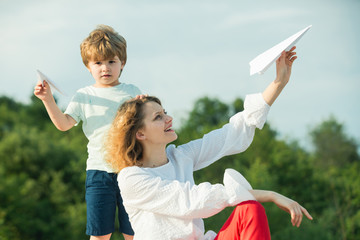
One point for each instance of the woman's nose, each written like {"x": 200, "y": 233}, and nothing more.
{"x": 168, "y": 118}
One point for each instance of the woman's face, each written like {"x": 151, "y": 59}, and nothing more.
{"x": 157, "y": 125}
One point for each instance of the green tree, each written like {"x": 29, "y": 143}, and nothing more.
{"x": 41, "y": 176}
{"x": 333, "y": 148}
{"x": 337, "y": 161}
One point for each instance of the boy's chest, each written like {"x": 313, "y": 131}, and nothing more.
{"x": 106, "y": 106}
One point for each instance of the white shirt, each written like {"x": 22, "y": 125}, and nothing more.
{"x": 164, "y": 202}
{"x": 97, "y": 108}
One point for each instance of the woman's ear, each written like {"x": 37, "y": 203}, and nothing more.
{"x": 140, "y": 135}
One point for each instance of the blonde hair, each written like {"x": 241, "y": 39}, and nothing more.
{"x": 121, "y": 146}
{"x": 103, "y": 43}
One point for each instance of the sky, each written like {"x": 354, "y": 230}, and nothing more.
{"x": 183, "y": 50}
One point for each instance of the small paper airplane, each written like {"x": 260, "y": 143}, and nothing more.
{"x": 262, "y": 62}
{"x": 42, "y": 77}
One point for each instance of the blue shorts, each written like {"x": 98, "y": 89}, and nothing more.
{"x": 102, "y": 196}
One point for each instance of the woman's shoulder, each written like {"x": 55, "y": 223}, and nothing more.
{"x": 131, "y": 176}
{"x": 134, "y": 174}
{"x": 183, "y": 149}
{"x": 128, "y": 171}
{"x": 173, "y": 151}
{"x": 181, "y": 155}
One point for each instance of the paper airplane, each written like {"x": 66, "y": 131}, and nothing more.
{"x": 42, "y": 77}
{"x": 262, "y": 62}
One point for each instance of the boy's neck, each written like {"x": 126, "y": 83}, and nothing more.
{"x": 96, "y": 85}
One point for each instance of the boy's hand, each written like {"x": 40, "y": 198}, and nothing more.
{"x": 284, "y": 65}
{"x": 43, "y": 92}
{"x": 141, "y": 96}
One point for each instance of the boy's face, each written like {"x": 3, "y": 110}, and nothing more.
{"x": 106, "y": 72}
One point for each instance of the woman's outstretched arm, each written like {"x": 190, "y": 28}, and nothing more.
{"x": 288, "y": 205}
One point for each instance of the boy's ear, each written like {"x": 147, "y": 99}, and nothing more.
{"x": 140, "y": 135}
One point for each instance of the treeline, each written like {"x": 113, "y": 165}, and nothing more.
{"x": 42, "y": 174}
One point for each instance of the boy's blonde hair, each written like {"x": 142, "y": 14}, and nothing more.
{"x": 103, "y": 43}
{"x": 121, "y": 146}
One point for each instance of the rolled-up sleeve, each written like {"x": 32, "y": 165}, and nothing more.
{"x": 255, "y": 111}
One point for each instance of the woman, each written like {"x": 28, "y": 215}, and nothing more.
{"x": 157, "y": 182}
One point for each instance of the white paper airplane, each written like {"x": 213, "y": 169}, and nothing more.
{"x": 262, "y": 62}
{"x": 42, "y": 77}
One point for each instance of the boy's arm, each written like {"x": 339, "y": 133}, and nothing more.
{"x": 283, "y": 72}
{"x": 62, "y": 121}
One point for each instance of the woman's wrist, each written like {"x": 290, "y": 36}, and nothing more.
{"x": 281, "y": 82}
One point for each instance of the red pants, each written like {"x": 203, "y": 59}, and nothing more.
{"x": 248, "y": 221}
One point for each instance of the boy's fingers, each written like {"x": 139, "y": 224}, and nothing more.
{"x": 141, "y": 96}
{"x": 39, "y": 84}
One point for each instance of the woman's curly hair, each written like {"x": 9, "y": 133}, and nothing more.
{"x": 122, "y": 149}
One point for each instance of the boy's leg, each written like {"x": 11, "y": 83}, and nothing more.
{"x": 101, "y": 204}
{"x": 128, "y": 237}
{"x": 105, "y": 237}
{"x": 248, "y": 221}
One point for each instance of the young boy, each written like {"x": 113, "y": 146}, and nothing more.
{"x": 104, "y": 55}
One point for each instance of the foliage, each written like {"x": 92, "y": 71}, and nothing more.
{"x": 42, "y": 174}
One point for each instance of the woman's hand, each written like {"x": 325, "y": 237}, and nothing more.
{"x": 284, "y": 65}
{"x": 283, "y": 72}
{"x": 295, "y": 210}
